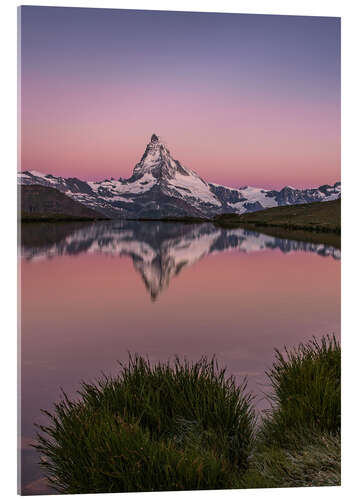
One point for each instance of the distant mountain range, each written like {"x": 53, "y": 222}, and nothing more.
{"x": 161, "y": 187}
{"x": 159, "y": 251}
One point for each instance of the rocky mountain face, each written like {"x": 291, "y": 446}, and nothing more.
{"x": 42, "y": 202}
{"x": 159, "y": 250}
{"x": 161, "y": 187}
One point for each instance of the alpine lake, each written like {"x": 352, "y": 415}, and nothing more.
{"x": 91, "y": 293}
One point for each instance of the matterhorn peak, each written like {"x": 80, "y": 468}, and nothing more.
{"x": 154, "y": 138}
{"x": 157, "y": 162}
{"x": 161, "y": 187}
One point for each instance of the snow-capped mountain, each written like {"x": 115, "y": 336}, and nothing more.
{"x": 159, "y": 251}
{"x": 161, "y": 187}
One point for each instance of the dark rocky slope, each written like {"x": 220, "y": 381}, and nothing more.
{"x": 46, "y": 203}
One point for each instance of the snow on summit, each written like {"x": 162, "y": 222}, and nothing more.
{"x": 161, "y": 187}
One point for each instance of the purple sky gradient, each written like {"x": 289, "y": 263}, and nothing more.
{"x": 241, "y": 99}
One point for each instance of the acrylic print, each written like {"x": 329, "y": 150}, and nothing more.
{"x": 179, "y": 250}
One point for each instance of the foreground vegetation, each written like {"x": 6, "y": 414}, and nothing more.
{"x": 154, "y": 427}
{"x": 181, "y": 425}
{"x": 298, "y": 440}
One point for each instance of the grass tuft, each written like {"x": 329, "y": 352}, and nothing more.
{"x": 188, "y": 426}
{"x": 306, "y": 384}
{"x": 168, "y": 426}
{"x": 298, "y": 442}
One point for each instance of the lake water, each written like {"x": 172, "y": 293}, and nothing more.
{"x": 92, "y": 292}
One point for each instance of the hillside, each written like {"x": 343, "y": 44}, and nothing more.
{"x": 48, "y": 204}
{"x": 315, "y": 222}
{"x": 308, "y": 217}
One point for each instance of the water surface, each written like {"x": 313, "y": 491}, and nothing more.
{"x": 92, "y": 292}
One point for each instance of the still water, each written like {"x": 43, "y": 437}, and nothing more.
{"x": 92, "y": 292}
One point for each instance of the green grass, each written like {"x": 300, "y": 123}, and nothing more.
{"x": 306, "y": 391}
{"x": 318, "y": 222}
{"x": 100, "y": 453}
{"x": 153, "y": 427}
{"x": 319, "y": 219}
{"x": 298, "y": 440}
{"x": 312, "y": 459}
{"x": 187, "y": 426}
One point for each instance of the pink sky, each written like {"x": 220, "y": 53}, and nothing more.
{"x": 239, "y": 99}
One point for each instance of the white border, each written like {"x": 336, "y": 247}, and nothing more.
{"x": 8, "y": 81}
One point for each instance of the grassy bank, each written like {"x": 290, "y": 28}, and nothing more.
{"x": 318, "y": 222}
{"x": 317, "y": 237}
{"x": 181, "y": 425}
{"x": 322, "y": 217}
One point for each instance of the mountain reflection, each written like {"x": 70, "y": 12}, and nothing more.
{"x": 159, "y": 250}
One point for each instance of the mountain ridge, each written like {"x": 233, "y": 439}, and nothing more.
{"x": 161, "y": 187}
